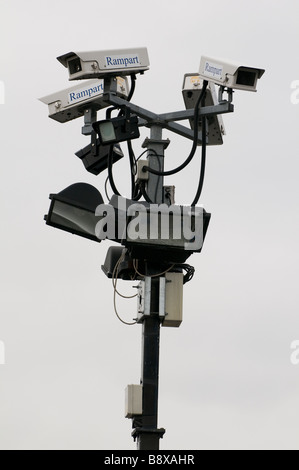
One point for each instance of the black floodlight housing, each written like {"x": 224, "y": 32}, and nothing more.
{"x": 73, "y": 210}
{"x": 119, "y": 129}
{"x": 161, "y": 233}
{"x": 95, "y": 156}
{"x": 167, "y": 250}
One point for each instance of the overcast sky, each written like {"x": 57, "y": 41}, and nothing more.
{"x": 226, "y": 378}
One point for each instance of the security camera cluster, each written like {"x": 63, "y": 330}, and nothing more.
{"x": 156, "y": 235}
{"x": 99, "y": 66}
{"x": 100, "y": 72}
{"x": 102, "y": 82}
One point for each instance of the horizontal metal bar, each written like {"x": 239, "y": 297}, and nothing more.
{"x": 119, "y": 102}
{"x": 222, "y": 108}
{"x": 166, "y": 120}
{"x": 182, "y": 131}
{"x": 173, "y": 127}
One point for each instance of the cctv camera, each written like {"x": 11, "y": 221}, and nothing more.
{"x": 230, "y": 75}
{"x": 192, "y": 87}
{"x": 99, "y": 64}
{"x": 71, "y": 103}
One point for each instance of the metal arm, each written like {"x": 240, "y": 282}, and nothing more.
{"x": 166, "y": 121}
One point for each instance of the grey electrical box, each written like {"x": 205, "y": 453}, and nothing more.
{"x": 141, "y": 175}
{"x": 144, "y": 299}
{"x": 133, "y": 405}
{"x": 173, "y": 299}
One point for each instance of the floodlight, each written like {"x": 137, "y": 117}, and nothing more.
{"x": 117, "y": 129}
{"x": 169, "y": 233}
{"x": 73, "y": 210}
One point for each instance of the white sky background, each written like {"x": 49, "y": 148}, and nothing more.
{"x": 226, "y": 380}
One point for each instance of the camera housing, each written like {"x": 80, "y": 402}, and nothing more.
{"x": 100, "y": 64}
{"x": 192, "y": 87}
{"x": 69, "y": 104}
{"x": 95, "y": 158}
{"x": 230, "y": 75}
{"x": 116, "y": 130}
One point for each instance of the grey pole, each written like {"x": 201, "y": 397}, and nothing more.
{"x": 156, "y": 147}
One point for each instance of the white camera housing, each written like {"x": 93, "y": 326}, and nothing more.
{"x": 71, "y": 103}
{"x": 100, "y": 64}
{"x": 235, "y": 76}
{"x": 192, "y": 87}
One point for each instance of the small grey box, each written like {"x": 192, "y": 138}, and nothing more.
{"x": 133, "y": 405}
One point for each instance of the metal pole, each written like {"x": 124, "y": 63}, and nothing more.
{"x": 156, "y": 161}
{"x": 147, "y": 434}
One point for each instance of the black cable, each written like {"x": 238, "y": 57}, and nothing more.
{"x": 130, "y": 149}
{"x": 110, "y": 175}
{"x": 144, "y": 193}
{"x": 137, "y": 194}
{"x": 190, "y": 270}
{"x": 133, "y": 85}
{"x": 109, "y": 112}
{"x": 132, "y": 160}
{"x": 106, "y": 190}
{"x": 203, "y": 162}
{"x": 149, "y": 150}
{"x": 145, "y": 151}
{"x": 194, "y": 147}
